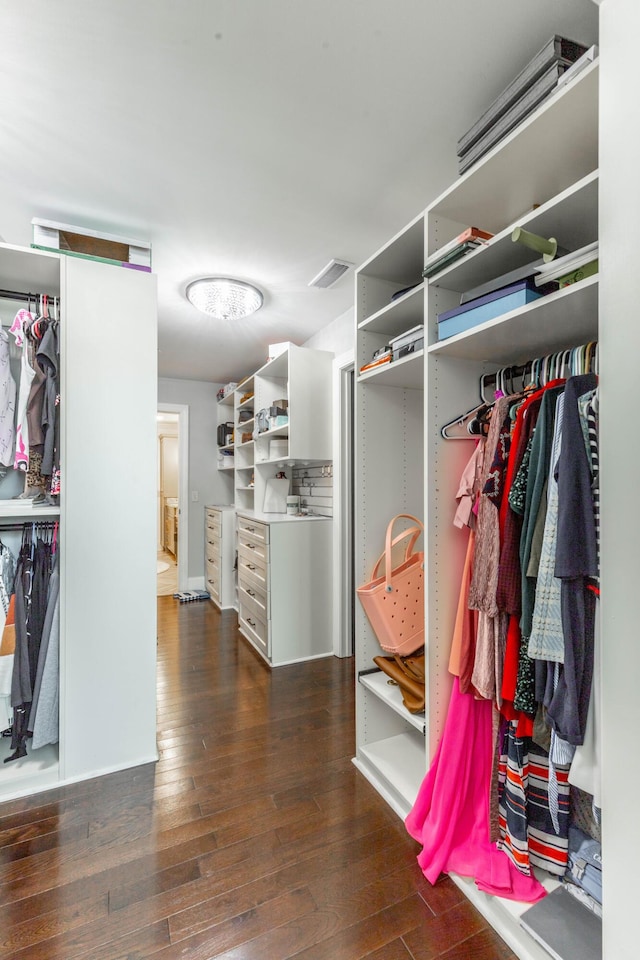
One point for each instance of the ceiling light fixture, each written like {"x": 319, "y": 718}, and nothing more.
{"x": 224, "y": 298}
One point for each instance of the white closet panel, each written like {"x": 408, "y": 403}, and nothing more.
{"x": 108, "y": 553}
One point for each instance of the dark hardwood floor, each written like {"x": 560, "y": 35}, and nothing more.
{"x": 253, "y": 838}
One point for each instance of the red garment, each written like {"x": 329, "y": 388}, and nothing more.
{"x": 508, "y": 529}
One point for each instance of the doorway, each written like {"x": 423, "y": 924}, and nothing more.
{"x": 171, "y": 506}
{"x": 344, "y": 499}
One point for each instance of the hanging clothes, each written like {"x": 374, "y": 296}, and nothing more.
{"x": 31, "y": 592}
{"x": 27, "y": 373}
{"x": 7, "y": 406}
{"x": 49, "y": 359}
{"x": 44, "y": 714}
{"x": 537, "y": 497}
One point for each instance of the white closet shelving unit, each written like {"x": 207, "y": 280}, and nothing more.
{"x": 244, "y": 450}
{"x": 389, "y": 404}
{"x": 226, "y": 458}
{"x": 282, "y": 618}
{"x": 302, "y": 377}
{"x": 543, "y": 176}
{"x": 108, "y": 389}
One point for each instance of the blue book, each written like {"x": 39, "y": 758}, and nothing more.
{"x": 488, "y": 307}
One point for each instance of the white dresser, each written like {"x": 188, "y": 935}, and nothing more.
{"x": 219, "y": 555}
{"x": 284, "y": 585}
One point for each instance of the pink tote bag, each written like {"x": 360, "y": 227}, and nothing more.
{"x": 394, "y": 603}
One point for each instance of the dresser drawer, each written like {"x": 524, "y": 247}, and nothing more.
{"x": 255, "y": 629}
{"x": 256, "y": 548}
{"x": 256, "y": 531}
{"x": 254, "y": 600}
{"x": 212, "y": 537}
{"x": 212, "y": 552}
{"x": 213, "y": 588}
{"x": 252, "y": 572}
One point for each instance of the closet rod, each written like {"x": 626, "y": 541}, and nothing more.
{"x": 21, "y": 526}
{"x": 25, "y": 297}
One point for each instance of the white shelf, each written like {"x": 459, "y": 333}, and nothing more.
{"x": 276, "y": 369}
{"x": 559, "y": 321}
{"x": 33, "y": 773}
{"x": 243, "y": 427}
{"x": 12, "y": 510}
{"x": 228, "y": 446}
{"x": 400, "y": 261}
{"x": 378, "y": 684}
{"x": 395, "y": 767}
{"x": 31, "y": 270}
{"x": 504, "y": 916}
{"x": 226, "y": 401}
{"x": 571, "y": 217}
{"x": 564, "y": 126}
{"x": 265, "y": 463}
{"x": 399, "y": 315}
{"x": 406, "y": 372}
{"x": 275, "y": 432}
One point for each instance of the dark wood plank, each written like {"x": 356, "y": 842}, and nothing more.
{"x": 253, "y": 836}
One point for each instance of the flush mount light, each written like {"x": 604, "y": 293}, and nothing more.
{"x": 224, "y": 298}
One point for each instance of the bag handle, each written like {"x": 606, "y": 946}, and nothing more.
{"x": 412, "y": 532}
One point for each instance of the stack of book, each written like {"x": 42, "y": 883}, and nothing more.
{"x": 447, "y": 254}
{"x": 380, "y": 357}
{"x": 409, "y": 342}
{"x": 534, "y": 83}
{"x": 571, "y": 268}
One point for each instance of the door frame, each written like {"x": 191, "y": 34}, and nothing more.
{"x": 182, "y": 410}
{"x": 343, "y": 513}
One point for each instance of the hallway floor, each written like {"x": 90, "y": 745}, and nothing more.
{"x": 167, "y": 578}
{"x": 253, "y": 837}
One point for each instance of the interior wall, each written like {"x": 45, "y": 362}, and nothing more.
{"x": 205, "y": 485}
{"x": 337, "y": 336}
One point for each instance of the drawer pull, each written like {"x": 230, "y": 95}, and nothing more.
{"x": 251, "y": 529}
{"x": 251, "y": 593}
{"x": 250, "y": 566}
{"x": 251, "y": 546}
{"x": 251, "y": 622}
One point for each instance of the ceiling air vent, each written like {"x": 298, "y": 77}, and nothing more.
{"x": 330, "y": 274}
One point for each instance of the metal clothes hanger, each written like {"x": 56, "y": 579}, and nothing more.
{"x": 458, "y": 429}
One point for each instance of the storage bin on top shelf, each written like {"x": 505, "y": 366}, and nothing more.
{"x": 492, "y": 305}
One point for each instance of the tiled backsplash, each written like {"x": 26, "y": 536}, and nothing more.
{"x": 314, "y": 485}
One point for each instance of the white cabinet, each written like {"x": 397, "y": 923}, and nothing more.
{"x": 300, "y": 379}
{"x": 219, "y": 555}
{"x": 509, "y": 187}
{"x": 108, "y": 523}
{"x": 284, "y": 586}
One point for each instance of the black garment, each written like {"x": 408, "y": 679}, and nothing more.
{"x": 49, "y": 359}
{"x": 576, "y": 564}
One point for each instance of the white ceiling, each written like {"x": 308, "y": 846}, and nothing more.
{"x": 254, "y": 138}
